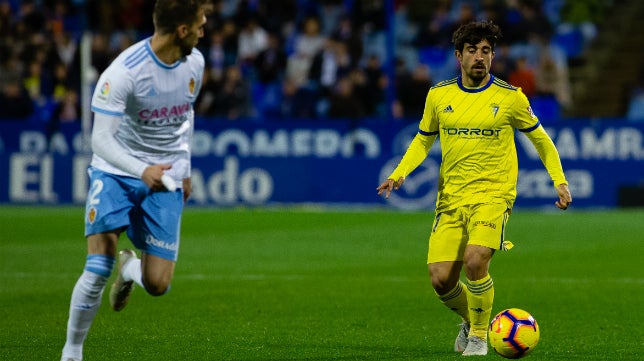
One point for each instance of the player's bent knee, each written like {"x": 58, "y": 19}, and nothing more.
{"x": 157, "y": 289}
{"x": 443, "y": 284}
{"x": 442, "y": 287}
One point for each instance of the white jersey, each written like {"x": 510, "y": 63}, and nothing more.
{"x": 155, "y": 102}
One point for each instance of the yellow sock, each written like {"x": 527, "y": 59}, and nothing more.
{"x": 456, "y": 300}
{"x": 480, "y": 296}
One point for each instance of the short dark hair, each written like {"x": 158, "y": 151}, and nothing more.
{"x": 169, "y": 14}
{"x": 474, "y": 32}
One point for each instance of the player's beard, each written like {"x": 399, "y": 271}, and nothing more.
{"x": 478, "y": 74}
{"x": 185, "y": 45}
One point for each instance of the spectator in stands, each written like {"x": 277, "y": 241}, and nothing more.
{"x": 311, "y": 40}
{"x": 35, "y": 83}
{"x": 297, "y": 102}
{"x": 66, "y": 48}
{"x": 376, "y": 84}
{"x": 437, "y": 31}
{"x": 298, "y": 95}
{"x": 206, "y": 103}
{"x": 297, "y": 69}
{"x": 531, "y": 22}
{"x": 412, "y": 90}
{"x": 522, "y": 76}
{"x": 43, "y": 32}
{"x": 216, "y": 55}
{"x": 551, "y": 80}
{"x": 31, "y": 16}
{"x": 635, "y": 106}
{"x": 67, "y": 110}
{"x": 346, "y": 33}
{"x": 15, "y": 103}
{"x": 271, "y": 62}
{"x": 583, "y": 15}
{"x": 466, "y": 13}
{"x": 277, "y": 18}
{"x": 343, "y": 102}
{"x": 253, "y": 39}
{"x": 502, "y": 65}
{"x": 234, "y": 96}
{"x": 495, "y": 11}
{"x": 101, "y": 56}
{"x": 5, "y": 17}
{"x": 328, "y": 65}
{"x": 635, "y": 110}
{"x": 60, "y": 83}
{"x": 229, "y": 31}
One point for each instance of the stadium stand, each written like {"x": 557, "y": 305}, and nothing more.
{"x": 287, "y": 70}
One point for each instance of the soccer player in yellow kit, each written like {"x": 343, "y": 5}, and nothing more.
{"x": 475, "y": 115}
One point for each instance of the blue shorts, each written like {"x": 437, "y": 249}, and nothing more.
{"x": 152, "y": 220}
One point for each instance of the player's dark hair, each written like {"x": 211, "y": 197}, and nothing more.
{"x": 474, "y": 32}
{"x": 170, "y": 14}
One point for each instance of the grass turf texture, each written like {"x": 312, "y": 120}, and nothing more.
{"x": 335, "y": 285}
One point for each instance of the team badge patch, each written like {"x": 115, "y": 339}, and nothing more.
{"x": 91, "y": 215}
{"x": 191, "y": 86}
{"x": 495, "y": 108}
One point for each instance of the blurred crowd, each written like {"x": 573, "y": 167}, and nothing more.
{"x": 296, "y": 59}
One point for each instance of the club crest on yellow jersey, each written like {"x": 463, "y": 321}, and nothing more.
{"x": 495, "y": 108}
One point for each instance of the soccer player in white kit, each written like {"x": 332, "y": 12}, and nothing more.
{"x": 140, "y": 169}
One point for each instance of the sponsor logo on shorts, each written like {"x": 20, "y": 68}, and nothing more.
{"x": 161, "y": 244}
{"x": 485, "y": 224}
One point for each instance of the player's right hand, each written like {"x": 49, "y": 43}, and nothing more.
{"x": 564, "y": 197}
{"x": 152, "y": 176}
{"x": 389, "y": 185}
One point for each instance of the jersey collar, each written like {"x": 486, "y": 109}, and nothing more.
{"x": 158, "y": 61}
{"x": 459, "y": 81}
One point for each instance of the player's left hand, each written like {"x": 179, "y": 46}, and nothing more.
{"x": 564, "y": 197}
{"x": 389, "y": 185}
{"x": 187, "y": 188}
{"x": 152, "y": 176}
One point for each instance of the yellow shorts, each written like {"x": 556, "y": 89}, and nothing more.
{"x": 479, "y": 224}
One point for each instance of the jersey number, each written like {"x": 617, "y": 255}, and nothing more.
{"x": 97, "y": 187}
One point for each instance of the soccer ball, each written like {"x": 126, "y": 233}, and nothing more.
{"x": 513, "y": 333}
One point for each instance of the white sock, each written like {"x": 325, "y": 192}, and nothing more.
{"x": 132, "y": 271}
{"x": 86, "y": 299}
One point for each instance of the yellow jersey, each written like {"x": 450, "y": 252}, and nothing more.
{"x": 476, "y": 130}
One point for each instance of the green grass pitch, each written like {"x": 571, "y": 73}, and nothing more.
{"x": 298, "y": 284}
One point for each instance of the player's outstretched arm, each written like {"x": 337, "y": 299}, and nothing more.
{"x": 564, "y": 197}
{"x": 389, "y": 185}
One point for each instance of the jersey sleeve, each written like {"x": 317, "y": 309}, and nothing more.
{"x": 527, "y": 123}
{"x": 548, "y": 154}
{"x": 429, "y": 122}
{"x": 522, "y": 115}
{"x": 112, "y": 89}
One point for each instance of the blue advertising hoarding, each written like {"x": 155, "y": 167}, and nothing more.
{"x": 342, "y": 163}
